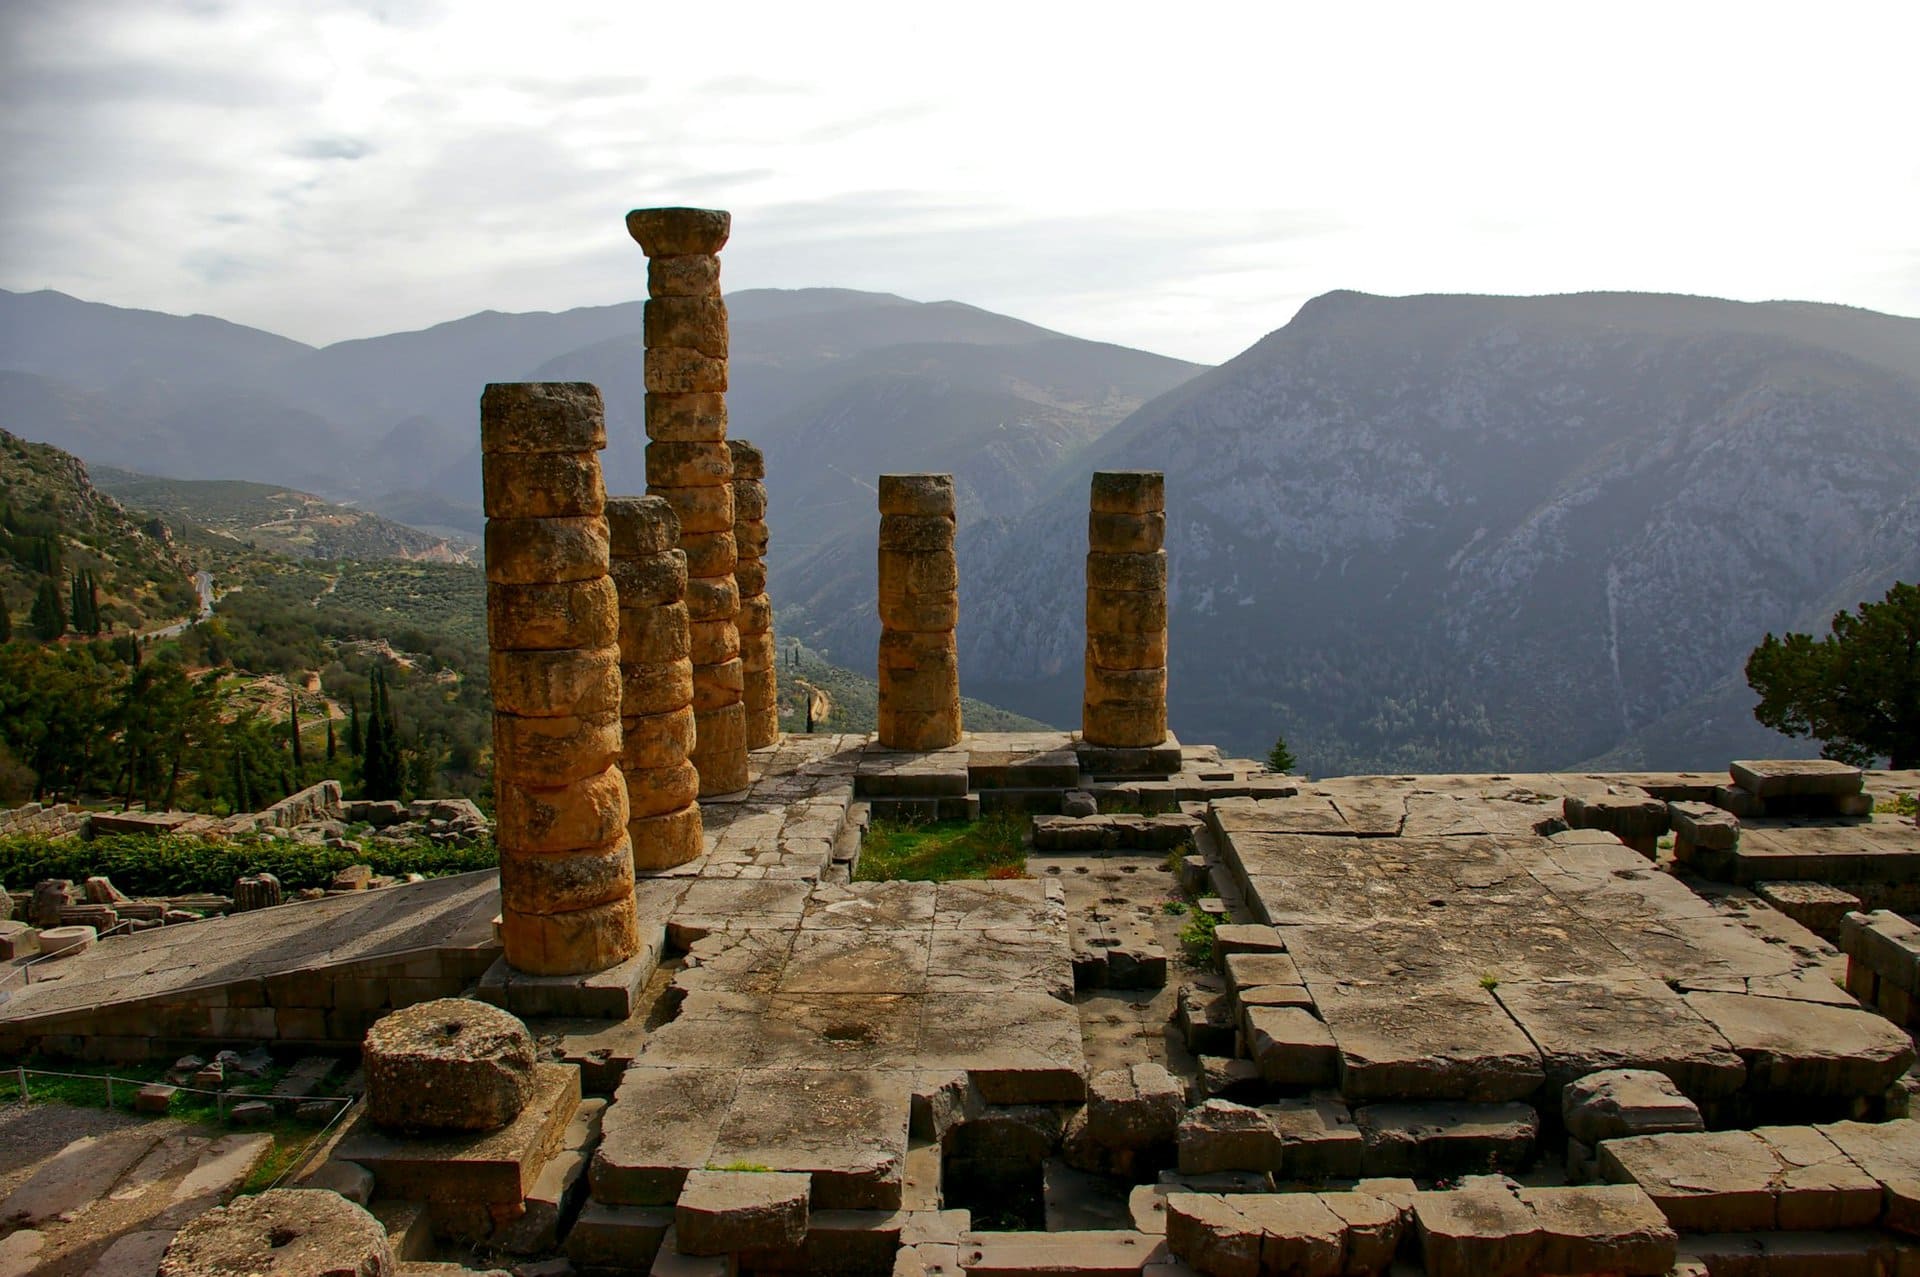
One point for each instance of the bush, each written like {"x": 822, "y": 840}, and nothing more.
{"x": 145, "y": 866}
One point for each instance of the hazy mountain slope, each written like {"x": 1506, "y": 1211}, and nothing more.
{"x": 269, "y": 517}
{"x": 1456, "y": 532}
{"x": 832, "y": 383}
{"x": 95, "y": 346}
{"x": 46, "y": 493}
{"x": 170, "y": 428}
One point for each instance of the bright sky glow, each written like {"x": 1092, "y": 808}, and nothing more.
{"x": 1174, "y": 177}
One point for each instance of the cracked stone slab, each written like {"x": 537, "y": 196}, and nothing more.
{"x": 1584, "y": 1027}
{"x": 1429, "y": 1042}
{"x": 1808, "y": 1048}
{"x": 660, "y": 1126}
{"x": 846, "y": 1128}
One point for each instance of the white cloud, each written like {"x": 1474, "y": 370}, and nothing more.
{"x": 1179, "y": 179}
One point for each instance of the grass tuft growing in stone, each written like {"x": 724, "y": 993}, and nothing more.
{"x": 992, "y": 847}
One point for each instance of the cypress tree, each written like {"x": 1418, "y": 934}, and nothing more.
{"x": 93, "y": 603}
{"x": 6, "y": 621}
{"x": 380, "y": 774}
{"x": 330, "y": 745}
{"x": 242, "y": 799}
{"x": 356, "y": 743}
{"x": 48, "y": 618}
{"x": 293, "y": 732}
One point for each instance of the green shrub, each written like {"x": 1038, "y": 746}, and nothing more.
{"x": 146, "y": 866}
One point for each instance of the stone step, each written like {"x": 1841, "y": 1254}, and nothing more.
{"x": 1790, "y": 1178}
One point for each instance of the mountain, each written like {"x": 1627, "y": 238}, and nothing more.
{"x": 1472, "y": 533}
{"x": 266, "y": 517}
{"x": 821, "y": 378}
{"x": 51, "y": 516}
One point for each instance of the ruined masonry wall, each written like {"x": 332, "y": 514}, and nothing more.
{"x": 566, "y": 870}
{"x": 919, "y": 608}
{"x": 656, "y": 683}
{"x": 755, "y": 620}
{"x": 690, "y": 466}
{"x": 1125, "y": 703}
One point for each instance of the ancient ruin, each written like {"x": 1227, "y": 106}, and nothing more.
{"x": 656, "y": 683}
{"x": 1126, "y": 678}
{"x": 690, "y": 465}
{"x": 566, "y": 870}
{"x": 1223, "y": 1021}
{"x": 919, "y": 596}
{"x": 756, "y": 609}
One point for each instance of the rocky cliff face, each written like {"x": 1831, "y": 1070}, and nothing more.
{"x": 1476, "y": 533}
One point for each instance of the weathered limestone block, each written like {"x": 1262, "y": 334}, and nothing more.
{"x": 1796, "y": 778}
{"x": 696, "y": 323}
{"x": 541, "y": 416}
{"x": 677, "y": 232}
{"x": 1220, "y": 1135}
{"x": 283, "y": 1230}
{"x": 1702, "y": 826}
{"x": 555, "y": 749}
{"x": 586, "y": 813}
{"x": 1622, "y": 1102}
{"x": 552, "y": 616}
{"x": 448, "y": 1064}
{"x": 1136, "y": 1107}
{"x": 710, "y": 554}
{"x": 542, "y": 551}
{"x": 531, "y": 684}
{"x": 686, "y": 418}
{"x": 703, "y": 509}
{"x": 657, "y": 740}
{"x": 1140, "y": 492}
{"x": 566, "y": 892}
{"x": 1123, "y": 533}
{"x": 659, "y": 695}
{"x": 698, "y": 464}
{"x": 719, "y": 1212}
{"x": 919, "y": 602}
{"x": 569, "y": 943}
{"x": 542, "y": 485}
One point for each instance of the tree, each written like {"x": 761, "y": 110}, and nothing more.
{"x": 356, "y": 741}
{"x": 6, "y": 621}
{"x": 382, "y": 775}
{"x": 293, "y": 732}
{"x": 1280, "y": 758}
{"x": 331, "y": 747}
{"x": 49, "y": 619}
{"x": 1856, "y": 691}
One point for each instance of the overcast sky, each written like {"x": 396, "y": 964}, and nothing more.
{"x": 1178, "y": 177}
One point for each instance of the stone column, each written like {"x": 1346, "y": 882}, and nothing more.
{"x": 755, "y": 620}
{"x": 690, "y": 466}
{"x": 566, "y": 872}
{"x": 1126, "y": 681}
{"x": 919, "y": 607}
{"x": 656, "y": 683}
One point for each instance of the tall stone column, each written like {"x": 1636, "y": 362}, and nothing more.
{"x": 919, "y": 607}
{"x": 690, "y": 466}
{"x": 566, "y": 871}
{"x": 656, "y": 683}
{"x": 755, "y": 619}
{"x": 1126, "y": 681}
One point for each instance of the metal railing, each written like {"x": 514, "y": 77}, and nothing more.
{"x": 344, "y": 1104}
